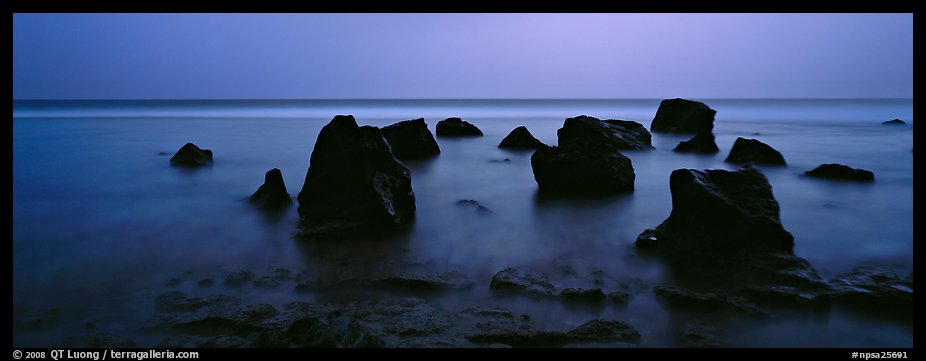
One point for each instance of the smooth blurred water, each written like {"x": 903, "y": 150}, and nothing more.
{"x": 100, "y": 220}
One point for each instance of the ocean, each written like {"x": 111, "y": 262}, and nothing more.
{"x": 101, "y": 222}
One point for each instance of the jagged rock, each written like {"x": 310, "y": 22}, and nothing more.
{"x": 520, "y": 138}
{"x": 411, "y": 139}
{"x": 272, "y": 194}
{"x": 584, "y": 130}
{"x": 683, "y": 116}
{"x": 189, "y": 155}
{"x": 516, "y": 279}
{"x": 456, "y": 127}
{"x": 725, "y": 230}
{"x": 700, "y": 143}
{"x": 354, "y": 184}
{"x": 841, "y": 172}
{"x": 751, "y": 150}
{"x": 895, "y": 122}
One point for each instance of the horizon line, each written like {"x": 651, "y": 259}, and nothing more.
{"x": 418, "y": 99}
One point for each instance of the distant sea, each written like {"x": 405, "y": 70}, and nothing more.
{"x": 101, "y": 221}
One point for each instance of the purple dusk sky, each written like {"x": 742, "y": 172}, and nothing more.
{"x": 263, "y": 56}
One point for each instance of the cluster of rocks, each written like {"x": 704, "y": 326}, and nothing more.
{"x": 723, "y": 241}
{"x": 727, "y": 250}
{"x": 587, "y": 160}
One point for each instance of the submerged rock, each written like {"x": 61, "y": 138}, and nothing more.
{"x": 411, "y": 139}
{"x": 520, "y": 333}
{"x": 895, "y": 122}
{"x": 841, "y": 172}
{"x": 520, "y": 138}
{"x": 589, "y": 295}
{"x": 272, "y": 194}
{"x": 581, "y": 171}
{"x": 701, "y": 302}
{"x": 751, "y": 150}
{"x": 456, "y": 127}
{"x": 584, "y": 130}
{"x": 725, "y": 231}
{"x": 189, "y": 155}
{"x": 471, "y": 203}
{"x": 683, "y": 116}
{"x": 874, "y": 291}
{"x": 517, "y": 279}
{"x": 354, "y": 184}
{"x": 238, "y": 278}
{"x": 700, "y": 143}
{"x": 698, "y": 335}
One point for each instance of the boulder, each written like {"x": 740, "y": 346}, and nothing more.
{"x": 272, "y": 194}
{"x": 700, "y": 143}
{"x": 621, "y": 134}
{"x": 520, "y": 138}
{"x": 751, "y": 150}
{"x": 411, "y": 139}
{"x": 724, "y": 230}
{"x": 895, "y": 122}
{"x": 516, "y": 279}
{"x": 683, "y": 116}
{"x": 189, "y": 155}
{"x": 456, "y": 127}
{"x": 841, "y": 172}
{"x": 577, "y": 170}
{"x": 354, "y": 184}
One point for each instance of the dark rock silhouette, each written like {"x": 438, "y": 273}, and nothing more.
{"x": 411, "y": 139}
{"x": 578, "y": 170}
{"x": 481, "y": 209}
{"x": 724, "y": 231}
{"x": 841, "y": 172}
{"x": 272, "y": 194}
{"x": 189, "y": 155}
{"x": 516, "y": 279}
{"x": 700, "y": 143}
{"x": 683, "y": 116}
{"x": 456, "y": 127}
{"x": 751, "y": 150}
{"x": 354, "y": 184}
{"x": 895, "y": 122}
{"x": 621, "y": 134}
{"x": 520, "y": 138}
